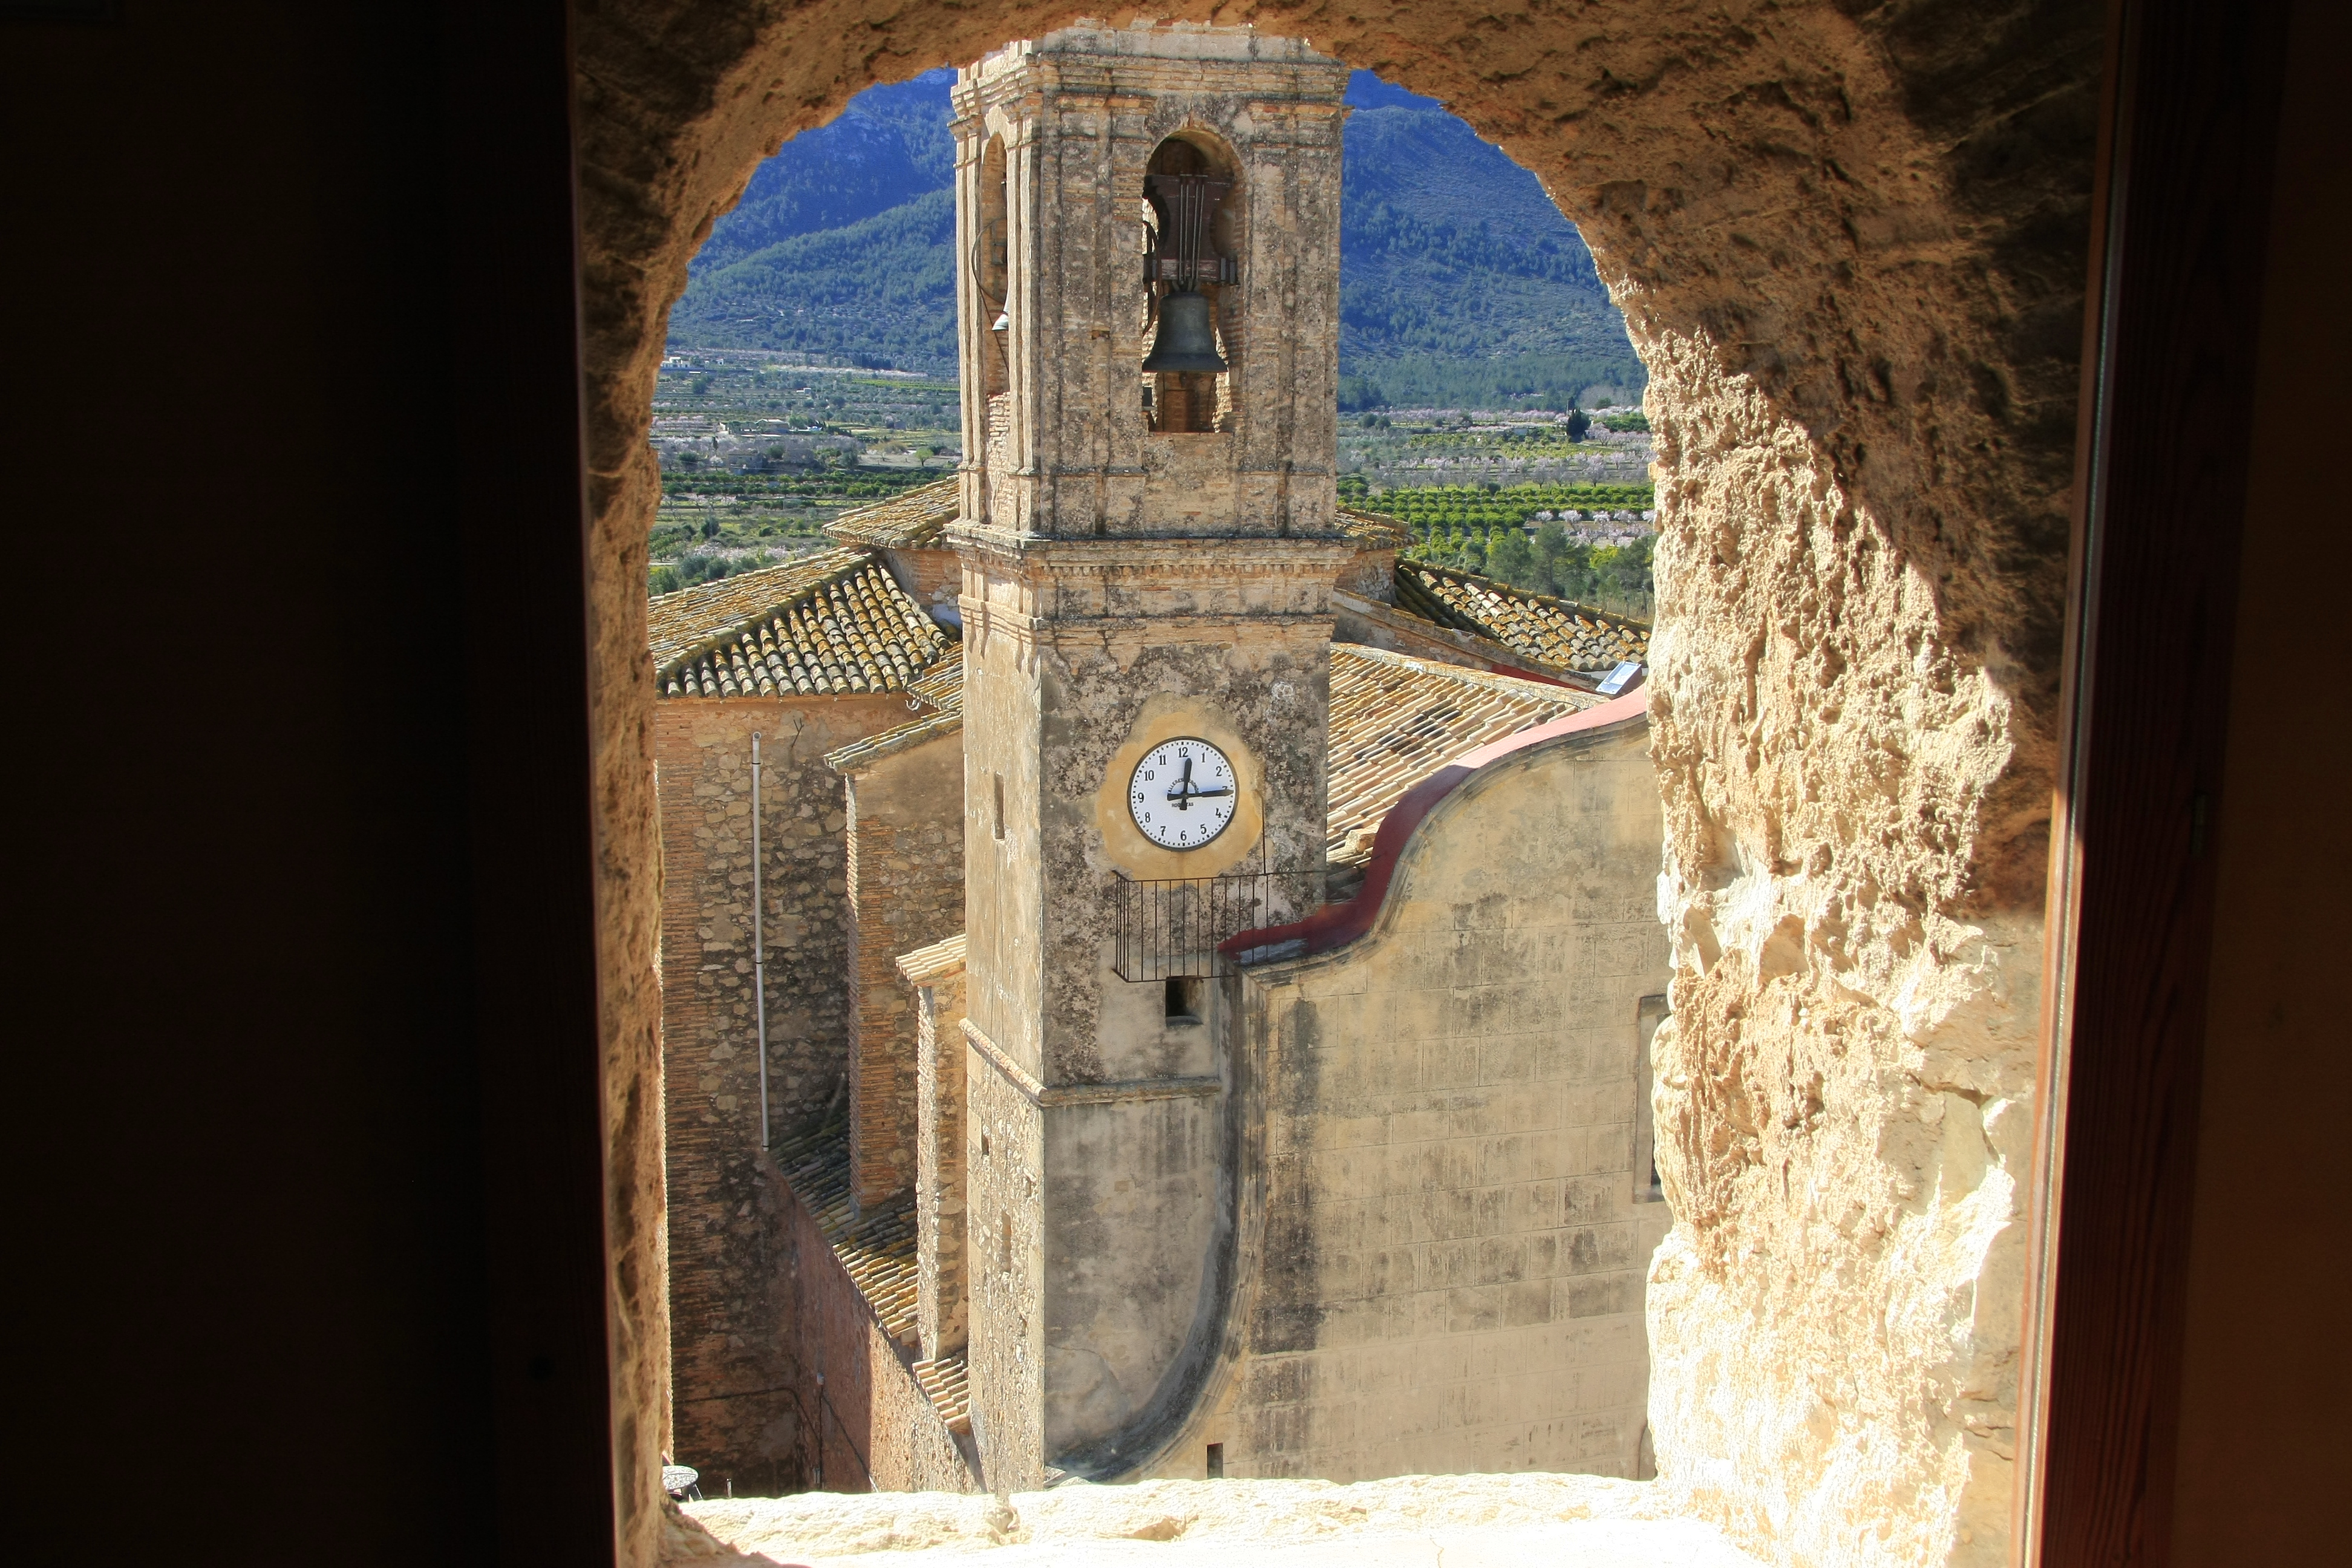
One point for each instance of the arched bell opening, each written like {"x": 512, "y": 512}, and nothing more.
{"x": 1192, "y": 273}
{"x": 992, "y": 266}
{"x": 986, "y": 427}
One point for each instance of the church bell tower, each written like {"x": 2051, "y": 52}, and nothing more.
{"x": 1148, "y": 270}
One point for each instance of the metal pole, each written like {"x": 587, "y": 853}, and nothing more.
{"x": 758, "y": 944}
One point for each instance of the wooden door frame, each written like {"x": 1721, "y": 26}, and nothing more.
{"x": 2181, "y": 209}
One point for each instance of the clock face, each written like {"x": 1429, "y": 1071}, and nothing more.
{"x": 1182, "y": 793}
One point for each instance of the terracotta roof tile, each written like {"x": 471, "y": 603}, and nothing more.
{"x": 876, "y": 1246}
{"x": 833, "y": 623}
{"x": 941, "y": 686}
{"x": 1396, "y": 719}
{"x": 877, "y": 1250}
{"x": 676, "y": 623}
{"x": 911, "y": 519}
{"x": 860, "y": 755}
{"x": 941, "y": 960}
{"x": 1372, "y": 532}
{"x": 1556, "y": 632}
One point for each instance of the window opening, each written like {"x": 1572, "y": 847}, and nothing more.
{"x": 1183, "y": 1002}
{"x": 992, "y": 264}
{"x": 1649, "y": 1013}
{"x": 1189, "y": 262}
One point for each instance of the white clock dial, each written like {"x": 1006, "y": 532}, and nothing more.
{"x": 1182, "y": 793}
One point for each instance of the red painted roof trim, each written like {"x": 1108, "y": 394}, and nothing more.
{"x": 1336, "y": 925}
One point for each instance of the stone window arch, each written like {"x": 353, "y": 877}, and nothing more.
{"x": 1864, "y": 325}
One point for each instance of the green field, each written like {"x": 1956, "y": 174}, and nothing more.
{"x": 1482, "y": 528}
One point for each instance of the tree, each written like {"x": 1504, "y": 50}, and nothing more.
{"x": 1578, "y": 422}
{"x": 1508, "y": 558}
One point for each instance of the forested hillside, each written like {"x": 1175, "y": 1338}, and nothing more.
{"x": 890, "y": 146}
{"x": 1459, "y": 283}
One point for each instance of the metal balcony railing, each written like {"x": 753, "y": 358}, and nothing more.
{"x": 1169, "y": 929}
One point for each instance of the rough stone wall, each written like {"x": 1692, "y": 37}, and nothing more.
{"x": 1850, "y": 243}
{"x": 1843, "y": 1092}
{"x": 1448, "y": 1274}
{"x": 942, "y": 1294}
{"x": 1004, "y": 1159}
{"x": 727, "y": 1316}
{"x": 931, "y": 576}
{"x": 1084, "y": 648}
{"x": 905, "y": 891}
{"x": 867, "y": 1424}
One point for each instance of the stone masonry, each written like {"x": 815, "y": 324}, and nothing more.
{"x": 1849, "y": 243}
{"x": 1451, "y": 1271}
{"x": 943, "y": 1299}
{"x": 905, "y": 891}
{"x": 727, "y": 1253}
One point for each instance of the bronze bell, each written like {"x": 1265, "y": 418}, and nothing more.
{"x": 1187, "y": 341}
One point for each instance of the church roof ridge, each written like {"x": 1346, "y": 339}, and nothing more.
{"x": 830, "y": 624}
{"x": 1559, "y": 633}
{"x": 1395, "y": 720}
{"x": 912, "y": 519}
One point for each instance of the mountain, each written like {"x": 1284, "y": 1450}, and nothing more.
{"x": 1459, "y": 280}
{"x": 890, "y": 146}
{"x": 879, "y": 291}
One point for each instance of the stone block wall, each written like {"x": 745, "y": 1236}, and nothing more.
{"x": 904, "y": 892}
{"x": 870, "y": 1426}
{"x": 942, "y": 1308}
{"x": 728, "y": 1314}
{"x": 1004, "y": 1161}
{"x": 1449, "y": 1274}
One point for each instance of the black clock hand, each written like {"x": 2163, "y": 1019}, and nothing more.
{"x": 1181, "y": 792}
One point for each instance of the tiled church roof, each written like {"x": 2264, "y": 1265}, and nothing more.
{"x": 940, "y": 685}
{"x": 1550, "y": 631}
{"x": 828, "y": 624}
{"x": 876, "y": 1247}
{"x": 1372, "y": 532}
{"x": 911, "y": 519}
{"x": 1397, "y": 720}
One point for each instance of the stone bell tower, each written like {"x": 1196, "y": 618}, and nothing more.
{"x": 1148, "y": 270}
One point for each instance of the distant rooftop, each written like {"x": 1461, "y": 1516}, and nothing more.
{"x": 911, "y": 519}
{"x": 1396, "y": 719}
{"x": 833, "y": 623}
{"x": 1559, "y": 633}
{"x": 1374, "y": 532}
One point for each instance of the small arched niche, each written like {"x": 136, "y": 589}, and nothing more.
{"x": 1193, "y": 243}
